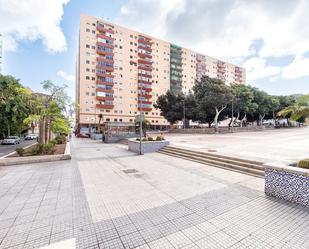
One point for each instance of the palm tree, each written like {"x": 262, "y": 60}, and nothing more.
{"x": 298, "y": 110}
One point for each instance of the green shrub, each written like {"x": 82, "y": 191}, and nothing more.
{"x": 48, "y": 149}
{"x": 20, "y": 151}
{"x": 159, "y": 138}
{"x": 303, "y": 164}
{"x": 43, "y": 149}
{"x": 61, "y": 139}
{"x": 145, "y": 139}
{"x": 150, "y": 139}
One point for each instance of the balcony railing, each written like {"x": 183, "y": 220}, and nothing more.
{"x": 103, "y": 29}
{"x": 104, "y": 106}
{"x": 101, "y": 98}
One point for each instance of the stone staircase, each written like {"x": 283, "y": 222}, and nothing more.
{"x": 230, "y": 163}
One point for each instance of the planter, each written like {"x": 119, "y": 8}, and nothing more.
{"x": 96, "y": 136}
{"x": 147, "y": 146}
{"x": 287, "y": 183}
{"x": 37, "y": 159}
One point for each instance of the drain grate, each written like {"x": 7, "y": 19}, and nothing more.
{"x": 130, "y": 171}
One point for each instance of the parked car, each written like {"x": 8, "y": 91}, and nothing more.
{"x": 11, "y": 140}
{"x": 31, "y": 137}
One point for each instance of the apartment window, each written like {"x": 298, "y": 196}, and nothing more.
{"x": 108, "y": 120}
{"x": 131, "y": 43}
{"x": 131, "y": 36}
{"x": 93, "y": 47}
{"x": 87, "y": 62}
{"x": 87, "y": 70}
{"x": 87, "y": 78}
{"x": 92, "y": 94}
{"x": 115, "y": 119}
{"x": 92, "y": 78}
{"x": 87, "y": 46}
{"x": 93, "y": 31}
{"x": 120, "y": 47}
{"x": 87, "y": 30}
{"x": 87, "y": 93}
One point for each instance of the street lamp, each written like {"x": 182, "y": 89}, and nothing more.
{"x": 140, "y": 122}
{"x": 184, "y": 113}
{"x": 232, "y": 114}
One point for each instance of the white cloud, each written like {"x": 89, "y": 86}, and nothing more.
{"x": 66, "y": 76}
{"x": 257, "y": 68}
{"x": 32, "y": 20}
{"x": 298, "y": 68}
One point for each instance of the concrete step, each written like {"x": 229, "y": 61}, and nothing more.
{"x": 231, "y": 164}
{"x": 216, "y": 157}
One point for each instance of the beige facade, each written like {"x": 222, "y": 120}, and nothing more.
{"x": 119, "y": 71}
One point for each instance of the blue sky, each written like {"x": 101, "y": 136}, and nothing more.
{"x": 269, "y": 38}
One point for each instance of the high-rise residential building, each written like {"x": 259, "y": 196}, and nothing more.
{"x": 119, "y": 71}
{"x": 0, "y": 53}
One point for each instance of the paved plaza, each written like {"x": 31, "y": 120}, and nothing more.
{"x": 284, "y": 145}
{"x": 108, "y": 197}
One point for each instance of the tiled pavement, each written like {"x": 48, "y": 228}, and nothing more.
{"x": 164, "y": 203}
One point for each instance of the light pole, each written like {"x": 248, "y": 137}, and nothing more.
{"x": 140, "y": 122}
{"x": 184, "y": 113}
{"x": 232, "y": 114}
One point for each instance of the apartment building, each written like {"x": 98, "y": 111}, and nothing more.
{"x": 121, "y": 71}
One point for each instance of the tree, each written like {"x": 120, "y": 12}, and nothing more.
{"x": 14, "y": 106}
{"x": 171, "y": 106}
{"x": 298, "y": 111}
{"x": 212, "y": 94}
{"x": 243, "y": 102}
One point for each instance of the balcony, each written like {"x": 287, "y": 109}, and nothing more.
{"x": 144, "y": 41}
{"x": 100, "y": 98}
{"x": 101, "y": 106}
{"x": 145, "y": 62}
{"x": 105, "y": 37}
{"x": 141, "y": 55}
{"x": 104, "y": 30}
{"x": 144, "y": 82}
{"x": 144, "y": 109}
{"x": 145, "y": 48}
{"x": 104, "y": 59}
{"x": 145, "y": 89}
{"x": 105, "y": 83}
{"x": 104, "y": 90}
{"x": 105, "y": 68}
{"x": 105, "y": 45}
{"x": 103, "y": 52}
{"x": 145, "y": 95}
{"x": 149, "y": 69}
{"x": 146, "y": 102}
{"x": 104, "y": 74}
{"x": 144, "y": 75}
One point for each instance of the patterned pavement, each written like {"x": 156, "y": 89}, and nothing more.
{"x": 107, "y": 197}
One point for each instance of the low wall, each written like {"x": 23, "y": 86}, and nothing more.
{"x": 147, "y": 146}
{"x": 37, "y": 159}
{"x": 220, "y": 130}
{"x": 287, "y": 182}
{"x": 115, "y": 138}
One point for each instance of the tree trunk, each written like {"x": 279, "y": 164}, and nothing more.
{"x": 261, "y": 119}
{"x": 217, "y": 116}
{"x": 243, "y": 120}
{"x": 9, "y": 130}
{"x": 42, "y": 131}
{"x": 231, "y": 120}
{"x": 46, "y": 131}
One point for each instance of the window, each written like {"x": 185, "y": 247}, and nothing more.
{"x": 87, "y": 30}
{"x": 87, "y": 46}
{"x": 87, "y": 78}
{"x": 93, "y": 31}
{"x": 87, "y": 62}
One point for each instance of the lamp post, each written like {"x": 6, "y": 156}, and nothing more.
{"x": 232, "y": 114}
{"x": 140, "y": 122}
{"x": 184, "y": 113}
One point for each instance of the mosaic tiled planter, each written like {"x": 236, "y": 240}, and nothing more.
{"x": 288, "y": 183}
{"x": 147, "y": 146}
